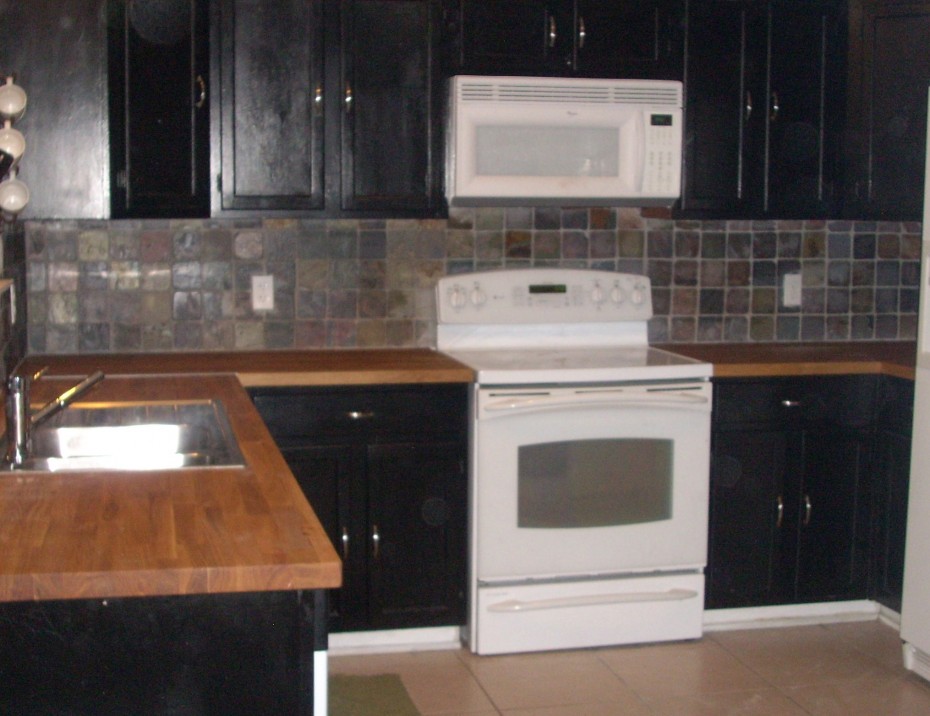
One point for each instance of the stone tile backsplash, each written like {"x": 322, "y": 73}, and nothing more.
{"x": 185, "y": 284}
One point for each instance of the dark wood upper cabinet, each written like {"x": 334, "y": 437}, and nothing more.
{"x": 269, "y": 58}
{"x": 390, "y": 109}
{"x": 328, "y": 107}
{"x": 159, "y": 108}
{"x": 764, "y": 95}
{"x": 889, "y": 71}
{"x": 590, "y": 38}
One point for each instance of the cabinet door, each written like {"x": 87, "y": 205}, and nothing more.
{"x": 891, "y": 480}
{"x": 890, "y": 71}
{"x": 391, "y": 153}
{"x": 514, "y": 37}
{"x": 417, "y": 503}
{"x": 833, "y": 517}
{"x": 271, "y": 115}
{"x": 325, "y": 474}
{"x": 159, "y": 111}
{"x": 801, "y": 105}
{"x": 629, "y": 39}
{"x": 717, "y": 102}
{"x": 745, "y": 565}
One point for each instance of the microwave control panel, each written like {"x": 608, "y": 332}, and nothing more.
{"x": 527, "y": 296}
{"x": 661, "y": 168}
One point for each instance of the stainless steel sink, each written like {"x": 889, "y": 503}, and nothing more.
{"x": 135, "y": 436}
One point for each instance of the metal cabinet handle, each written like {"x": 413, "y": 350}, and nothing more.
{"x": 345, "y": 543}
{"x": 791, "y": 403}
{"x": 807, "y": 510}
{"x": 748, "y": 105}
{"x": 202, "y": 95}
{"x": 318, "y": 100}
{"x": 360, "y": 414}
{"x": 348, "y": 98}
{"x": 553, "y": 32}
{"x": 781, "y": 512}
{"x": 775, "y": 107}
{"x": 581, "y": 32}
{"x": 375, "y": 541}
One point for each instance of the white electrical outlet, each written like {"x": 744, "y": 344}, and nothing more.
{"x": 791, "y": 290}
{"x": 263, "y": 293}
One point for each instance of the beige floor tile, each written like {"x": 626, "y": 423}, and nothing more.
{"x": 625, "y": 708}
{"x": 438, "y": 682}
{"x": 745, "y": 703}
{"x": 661, "y": 671}
{"x": 800, "y": 656}
{"x": 903, "y": 696}
{"x": 874, "y": 638}
{"x": 531, "y": 681}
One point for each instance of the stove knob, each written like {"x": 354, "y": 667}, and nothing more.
{"x": 457, "y": 296}
{"x": 478, "y": 297}
{"x": 638, "y": 296}
{"x": 597, "y": 294}
{"x": 617, "y": 295}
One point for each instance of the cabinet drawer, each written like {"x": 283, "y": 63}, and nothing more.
{"x": 840, "y": 400}
{"x": 351, "y": 414}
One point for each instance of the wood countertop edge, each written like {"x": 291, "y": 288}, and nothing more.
{"x": 159, "y": 551}
{"x": 779, "y": 369}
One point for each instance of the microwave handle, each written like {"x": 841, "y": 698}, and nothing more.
{"x": 640, "y": 144}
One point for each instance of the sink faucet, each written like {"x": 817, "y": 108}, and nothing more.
{"x": 20, "y": 421}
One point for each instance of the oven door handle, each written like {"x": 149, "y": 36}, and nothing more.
{"x": 618, "y": 399}
{"x": 586, "y": 600}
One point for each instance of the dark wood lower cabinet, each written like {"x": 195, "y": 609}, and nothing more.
{"x": 231, "y": 654}
{"x": 890, "y": 490}
{"x": 791, "y": 475}
{"x": 385, "y": 470}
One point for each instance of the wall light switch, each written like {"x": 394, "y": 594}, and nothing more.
{"x": 263, "y": 293}
{"x": 791, "y": 290}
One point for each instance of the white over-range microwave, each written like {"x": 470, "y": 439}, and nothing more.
{"x": 529, "y": 141}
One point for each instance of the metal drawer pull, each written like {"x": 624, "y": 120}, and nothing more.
{"x": 348, "y": 98}
{"x": 318, "y": 101}
{"x": 202, "y": 95}
{"x": 775, "y": 106}
{"x": 781, "y": 512}
{"x": 361, "y": 414}
{"x": 581, "y": 33}
{"x": 345, "y": 543}
{"x": 553, "y": 34}
{"x": 807, "y": 509}
{"x": 791, "y": 403}
{"x": 375, "y": 540}
{"x": 748, "y": 105}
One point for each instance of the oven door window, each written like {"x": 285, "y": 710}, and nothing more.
{"x": 594, "y": 483}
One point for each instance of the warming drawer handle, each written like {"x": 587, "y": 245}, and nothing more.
{"x": 586, "y": 400}
{"x": 587, "y": 600}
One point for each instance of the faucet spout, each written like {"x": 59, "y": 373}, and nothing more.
{"x": 20, "y": 421}
{"x": 65, "y": 399}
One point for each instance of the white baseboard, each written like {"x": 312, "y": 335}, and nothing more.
{"x": 370, "y": 642}
{"x": 784, "y": 615}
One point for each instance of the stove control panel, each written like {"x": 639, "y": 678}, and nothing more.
{"x": 542, "y": 295}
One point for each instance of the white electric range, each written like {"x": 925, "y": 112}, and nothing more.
{"x": 590, "y": 457}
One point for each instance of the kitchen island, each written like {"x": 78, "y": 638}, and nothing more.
{"x": 174, "y": 591}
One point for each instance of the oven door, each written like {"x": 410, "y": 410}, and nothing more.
{"x": 590, "y": 480}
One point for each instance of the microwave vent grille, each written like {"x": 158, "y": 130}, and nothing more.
{"x": 647, "y": 93}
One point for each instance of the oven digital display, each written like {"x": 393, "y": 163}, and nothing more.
{"x": 660, "y": 120}
{"x": 544, "y": 288}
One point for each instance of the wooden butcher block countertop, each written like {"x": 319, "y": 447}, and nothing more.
{"x": 736, "y": 360}
{"x": 270, "y": 368}
{"x": 203, "y": 530}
